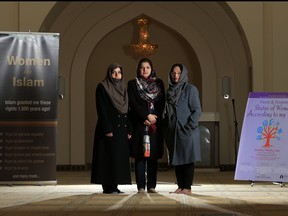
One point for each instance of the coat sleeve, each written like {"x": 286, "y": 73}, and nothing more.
{"x": 129, "y": 122}
{"x": 195, "y": 108}
{"x": 161, "y": 102}
{"x": 102, "y": 101}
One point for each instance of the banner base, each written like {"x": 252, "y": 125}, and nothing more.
{"x": 19, "y": 183}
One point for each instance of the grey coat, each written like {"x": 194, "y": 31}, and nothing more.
{"x": 182, "y": 135}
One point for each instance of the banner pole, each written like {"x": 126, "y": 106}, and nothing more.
{"x": 236, "y": 134}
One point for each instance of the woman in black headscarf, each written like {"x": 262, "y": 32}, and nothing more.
{"x": 146, "y": 101}
{"x": 110, "y": 162}
{"x": 182, "y": 135}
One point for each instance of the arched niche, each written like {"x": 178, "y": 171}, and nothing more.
{"x": 208, "y": 27}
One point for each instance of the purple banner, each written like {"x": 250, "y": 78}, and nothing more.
{"x": 263, "y": 147}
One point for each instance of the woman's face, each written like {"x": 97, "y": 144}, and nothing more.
{"x": 145, "y": 70}
{"x": 117, "y": 73}
{"x": 175, "y": 74}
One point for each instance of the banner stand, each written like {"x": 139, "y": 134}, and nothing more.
{"x": 281, "y": 184}
{"x": 263, "y": 148}
{"x": 28, "y": 107}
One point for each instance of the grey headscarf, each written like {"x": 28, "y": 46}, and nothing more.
{"x": 116, "y": 89}
{"x": 175, "y": 89}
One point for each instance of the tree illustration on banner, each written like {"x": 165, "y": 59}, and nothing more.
{"x": 269, "y": 130}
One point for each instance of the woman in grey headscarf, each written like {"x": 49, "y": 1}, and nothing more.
{"x": 110, "y": 162}
{"x": 182, "y": 134}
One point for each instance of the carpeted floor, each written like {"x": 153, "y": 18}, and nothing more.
{"x": 214, "y": 194}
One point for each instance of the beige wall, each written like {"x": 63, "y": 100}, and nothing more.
{"x": 9, "y": 16}
{"x": 263, "y": 23}
{"x": 32, "y": 14}
{"x": 23, "y": 16}
{"x": 265, "y": 26}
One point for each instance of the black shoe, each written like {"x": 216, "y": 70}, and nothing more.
{"x": 117, "y": 191}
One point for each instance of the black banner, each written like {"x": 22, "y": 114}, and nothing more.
{"x": 28, "y": 107}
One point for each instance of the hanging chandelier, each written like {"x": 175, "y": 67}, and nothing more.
{"x": 143, "y": 48}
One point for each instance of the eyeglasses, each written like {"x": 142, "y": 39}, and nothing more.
{"x": 116, "y": 72}
{"x": 175, "y": 74}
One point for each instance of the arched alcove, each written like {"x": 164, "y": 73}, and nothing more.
{"x": 206, "y": 27}
{"x": 99, "y": 60}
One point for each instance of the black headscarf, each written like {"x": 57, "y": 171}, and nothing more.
{"x": 116, "y": 89}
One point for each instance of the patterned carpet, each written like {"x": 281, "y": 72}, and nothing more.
{"x": 214, "y": 194}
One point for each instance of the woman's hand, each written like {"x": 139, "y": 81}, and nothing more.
{"x": 109, "y": 134}
{"x": 147, "y": 122}
{"x": 152, "y": 118}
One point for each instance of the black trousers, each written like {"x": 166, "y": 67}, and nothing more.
{"x": 185, "y": 175}
{"x": 148, "y": 166}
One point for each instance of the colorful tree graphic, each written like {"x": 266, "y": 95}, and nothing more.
{"x": 269, "y": 130}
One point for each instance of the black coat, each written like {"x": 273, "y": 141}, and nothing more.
{"x": 138, "y": 113}
{"x": 110, "y": 162}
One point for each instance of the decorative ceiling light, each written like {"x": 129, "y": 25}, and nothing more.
{"x": 143, "y": 48}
